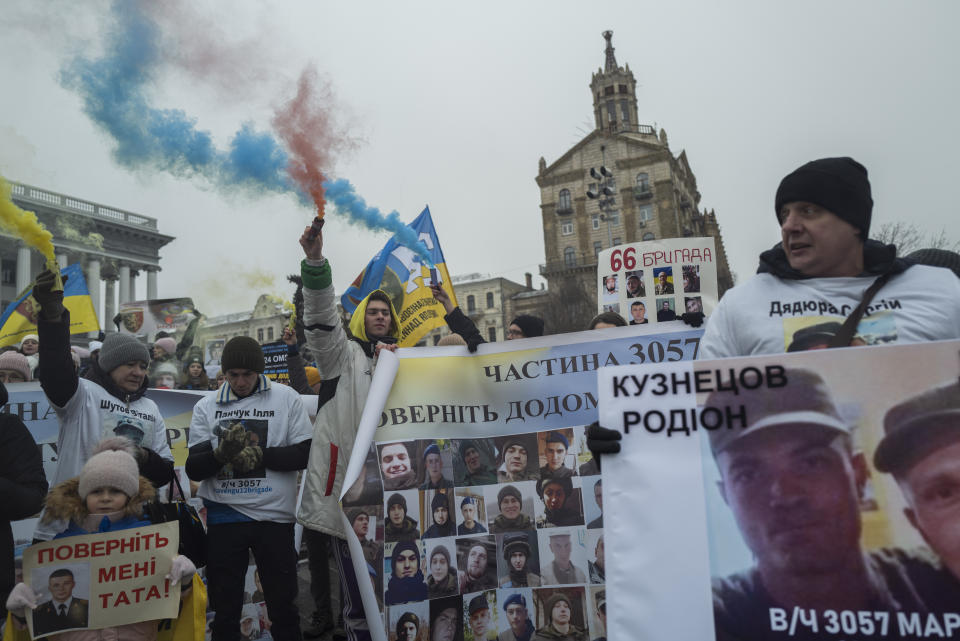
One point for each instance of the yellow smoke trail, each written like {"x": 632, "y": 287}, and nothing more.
{"x": 25, "y": 226}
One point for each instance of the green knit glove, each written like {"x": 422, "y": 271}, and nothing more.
{"x": 248, "y": 459}
{"x": 234, "y": 439}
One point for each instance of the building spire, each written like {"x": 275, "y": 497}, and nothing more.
{"x": 611, "y": 61}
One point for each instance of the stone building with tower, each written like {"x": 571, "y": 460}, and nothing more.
{"x": 643, "y": 192}
{"x": 112, "y": 245}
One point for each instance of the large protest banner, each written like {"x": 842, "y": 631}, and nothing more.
{"x": 820, "y": 491}
{"x": 103, "y": 580}
{"x": 658, "y": 280}
{"x": 477, "y": 497}
{"x": 147, "y": 317}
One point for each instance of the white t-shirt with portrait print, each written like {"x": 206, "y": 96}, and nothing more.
{"x": 760, "y": 316}
{"x": 275, "y": 417}
{"x": 91, "y": 415}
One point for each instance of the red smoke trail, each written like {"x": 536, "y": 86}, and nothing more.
{"x": 305, "y": 125}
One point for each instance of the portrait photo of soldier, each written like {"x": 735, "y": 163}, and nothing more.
{"x": 441, "y": 569}
{"x": 609, "y": 291}
{"x": 793, "y": 478}
{"x": 368, "y": 488}
{"x": 402, "y": 516}
{"x": 638, "y": 313}
{"x": 407, "y": 582}
{"x": 440, "y": 522}
{"x": 480, "y": 616}
{"x": 446, "y": 619}
{"x": 560, "y": 614}
{"x": 408, "y": 622}
{"x": 437, "y": 467}
{"x": 472, "y": 515}
{"x": 510, "y": 507}
{"x": 559, "y": 503}
{"x": 663, "y": 280}
{"x": 635, "y": 286}
{"x": 556, "y": 458}
{"x": 563, "y": 556}
{"x": 593, "y": 512}
{"x": 396, "y": 466}
{"x": 597, "y": 596}
{"x": 518, "y": 565}
{"x": 478, "y": 564}
{"x": 65, "y": 610}
{"x": 516, "y": 624}
{"x": 691, "y": 278}
{"x": 473, "y": 464}
{"x": 516, "y": 458}
{"x": 921, "y": 449}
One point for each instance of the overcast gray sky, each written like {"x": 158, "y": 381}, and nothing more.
{"x": 453, "y": 104}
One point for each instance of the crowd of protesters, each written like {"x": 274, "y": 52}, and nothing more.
{"x": 114, "y": 453}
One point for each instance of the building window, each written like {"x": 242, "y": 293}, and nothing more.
{"x": 9, "y": 268}
{"x": 563, "y": 201}
{"x": 492, "y": 334}
{"x": 566, "y": 228}
{"x": 595, "y": 220}
{"x": 622, "y": 88}
{"x": 471, "y": 303}
{"x": 489, "y": 300}
{"x": 608, "y": 91}
{"x": 613, "y": 217}
{"x": 649, "y": 236}
{"x": 643, "y": 182}
{"x": 269, "y": 333}
{"x": 612, "y": 112}
{"x": 624, "y": 113}
{"x": 645, "y": 213}
{"x": 569, "y": 257}
{"x": 597, "y": 248}
{"x": 616, "y": 241}
{"x": 260, "y": 335}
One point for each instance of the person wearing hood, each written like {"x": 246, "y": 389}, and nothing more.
{"x": 561, "y": 508}
{"x": 443, "y": 578}
{"x": 399, "y": 526}
{"x": 822, "y": 267}
{"x": 197, "y": 378}
{"x": 559, "y": 627}
{"x": 108, "y": 496}
{"x": 30, "y": 348}
{"x": 88, "y": 409}
{"x": 406, "y": 583}
{"x": 442, "y": 521}
{"x": 511, "y": 517}
{"x": 23, "y": 486}
{"x": 346, "y": 364}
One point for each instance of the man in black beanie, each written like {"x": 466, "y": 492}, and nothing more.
{"x": 524, "y": 326}
{"x": 822, "y": 266}
{"x": 247, "y": 442}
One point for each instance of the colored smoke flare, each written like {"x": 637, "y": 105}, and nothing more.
{"x": 25, "y": 226}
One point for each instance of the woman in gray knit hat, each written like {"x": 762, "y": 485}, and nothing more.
{"x": 90, "y": 408}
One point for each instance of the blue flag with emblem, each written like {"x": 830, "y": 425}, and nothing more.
{"x": 399, "y": 272}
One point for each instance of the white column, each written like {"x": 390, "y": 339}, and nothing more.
{"x": 23, "y": 268}
{"x": 93, "y": 285}
{"x": 133, "y": 284}
{"x": 62, "y": 260}
{"x": 109, "y": 304}
{"x": 152, "y": 282}
{"x": 125, "y": 284}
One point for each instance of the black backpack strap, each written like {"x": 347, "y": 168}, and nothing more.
{"x": 843, "y": 337}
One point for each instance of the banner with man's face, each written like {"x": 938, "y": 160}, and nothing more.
{"x": 813, "y": 495}
{"x": 478, "y": 508}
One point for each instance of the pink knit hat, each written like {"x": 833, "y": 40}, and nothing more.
{"x": 17, "y": 362}
{"x": 112, "y": 465}
{"x": 167, "y": 344}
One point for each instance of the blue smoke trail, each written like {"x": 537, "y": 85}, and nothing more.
{"x": 345, "y": 198}
{"x": 114, "y": 93}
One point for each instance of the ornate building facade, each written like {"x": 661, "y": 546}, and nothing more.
{"x": 620, "y": 184}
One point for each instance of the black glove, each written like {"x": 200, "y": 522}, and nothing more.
{"x": 473, "y": 342}
{"x": 601, "y": 440}
{"x": 693, "y": 319}
{"x": 50, "y": 300}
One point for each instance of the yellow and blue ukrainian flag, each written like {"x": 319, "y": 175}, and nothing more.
{"x": 399, "y": 272}
{"x": 20, "y": 316}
